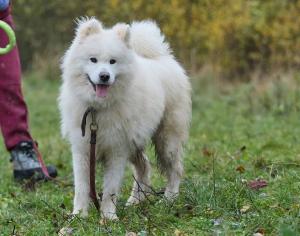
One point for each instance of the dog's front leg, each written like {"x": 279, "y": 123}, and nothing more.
{"x": 113, "y": 174}
{"x": 81, "y": 181}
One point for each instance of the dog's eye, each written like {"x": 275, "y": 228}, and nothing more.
{"x": 112, "y": 61}
{"x": 93, "y": 59}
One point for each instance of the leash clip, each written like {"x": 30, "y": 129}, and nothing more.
{"x": 93, "y": 125}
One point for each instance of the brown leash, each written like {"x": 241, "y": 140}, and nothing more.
{"x": 93, "y": 139}
{"x": 42, "y": 163}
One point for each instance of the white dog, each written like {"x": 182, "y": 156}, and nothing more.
{"x": 140, "y": 92}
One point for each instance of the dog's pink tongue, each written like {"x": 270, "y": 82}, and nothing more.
{"x": 102, "y": 90}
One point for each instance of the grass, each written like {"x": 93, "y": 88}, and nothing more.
{"x": 238, "y": 134}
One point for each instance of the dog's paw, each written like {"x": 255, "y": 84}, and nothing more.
{"x": 109, "y": 216}
{"x": 80, "y": 212}
{"x": 171, "y": 196}
{"x": 133, "y": 200}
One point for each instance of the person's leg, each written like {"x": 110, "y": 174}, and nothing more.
{"x": 13, "y": 114}
{"x": 13, "y": 110}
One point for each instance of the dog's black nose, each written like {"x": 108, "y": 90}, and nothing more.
{"x": 104, "y": 76}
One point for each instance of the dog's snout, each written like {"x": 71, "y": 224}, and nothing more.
{"x": 104, "y": 76}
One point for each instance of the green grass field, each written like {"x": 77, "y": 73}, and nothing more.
{"x": 238, "y": 134}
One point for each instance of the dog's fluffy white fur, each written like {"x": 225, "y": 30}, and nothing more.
{"x": 146, "y": 97}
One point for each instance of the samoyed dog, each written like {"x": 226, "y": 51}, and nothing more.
{"x": 141, "y": 93}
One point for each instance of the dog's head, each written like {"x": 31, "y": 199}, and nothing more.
{"x": 99, "y": 60}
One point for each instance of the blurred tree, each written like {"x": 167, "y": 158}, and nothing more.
{"x": 234, "y": 36}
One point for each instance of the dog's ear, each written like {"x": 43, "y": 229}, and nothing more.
{"x": 123, "y": 31}
{"x": 87, "y": 26}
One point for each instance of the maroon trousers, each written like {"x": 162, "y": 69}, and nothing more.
{"x": 13, "y": 110}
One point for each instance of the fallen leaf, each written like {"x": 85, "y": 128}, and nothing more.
{"x": 179, "y": 233}
{"x": 240, "y": 169}
{"x": 257, "y": 184}
{"x": 206, "y": 152}
{"x": 259, "y": 232}
{"x": 244, "y": 209}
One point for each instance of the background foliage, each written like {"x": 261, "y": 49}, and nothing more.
{"x": 234, "y": 37}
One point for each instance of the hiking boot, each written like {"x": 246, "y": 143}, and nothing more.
{"x": 26, "y": 164}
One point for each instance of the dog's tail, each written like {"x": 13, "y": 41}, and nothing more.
{"x": 147, "y": 40}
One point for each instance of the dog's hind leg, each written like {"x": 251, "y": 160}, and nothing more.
{"x": 169, "y": 140}
{"x": 169, "y": 153}
{"x": 141, "y": 183}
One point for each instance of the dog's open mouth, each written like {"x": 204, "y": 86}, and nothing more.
{"x": 102, "y": 90}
